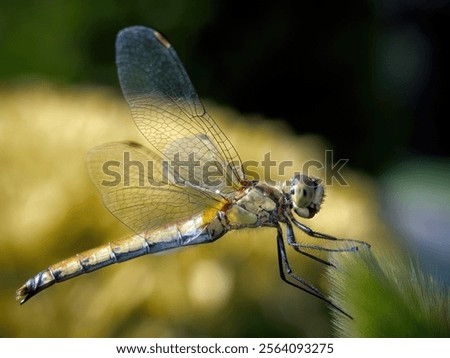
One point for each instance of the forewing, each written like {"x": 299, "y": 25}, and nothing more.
{"x": 165, "y": 106}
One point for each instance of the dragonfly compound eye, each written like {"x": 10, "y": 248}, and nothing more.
{"x": 307, "y": 195}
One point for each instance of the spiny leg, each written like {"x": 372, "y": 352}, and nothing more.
{"x": 283, "y": 265}
{"x": 297, "y": 247}
{"x": 308, "y": 231}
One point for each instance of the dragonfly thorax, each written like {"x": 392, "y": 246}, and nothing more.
{"x": 306, "y": 194}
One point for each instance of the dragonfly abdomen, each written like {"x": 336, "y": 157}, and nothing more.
{"x": 85, "y": 262}
{"x": 191, "y": 232}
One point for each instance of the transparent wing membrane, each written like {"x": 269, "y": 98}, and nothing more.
{"x": 137, "y": 189}
{"x": 193, "y": 164}
{"x": 165, "y": 106}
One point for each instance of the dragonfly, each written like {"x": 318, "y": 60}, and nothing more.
{"x": 184, "y": 206}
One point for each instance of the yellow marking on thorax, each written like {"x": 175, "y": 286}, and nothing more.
{"x": 209, "y": 214}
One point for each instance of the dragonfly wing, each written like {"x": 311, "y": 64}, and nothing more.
{"x": 136, "y": 188}
{"x": 165, "y": 106}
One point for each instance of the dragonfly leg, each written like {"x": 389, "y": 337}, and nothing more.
{"x": 284, "y": 267}
{"x": 298, "y": 247}
{"x": 356, "y": 244}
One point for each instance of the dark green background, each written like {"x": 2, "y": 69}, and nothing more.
{"x": 370, "y": 76}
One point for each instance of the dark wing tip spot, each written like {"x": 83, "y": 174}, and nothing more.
{"x": 133, "y": 144}
{"x": 162, "y": 39}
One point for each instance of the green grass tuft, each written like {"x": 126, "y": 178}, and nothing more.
{"x": 388, "y": 296}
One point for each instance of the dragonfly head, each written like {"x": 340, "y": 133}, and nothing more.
{"x": 306, "y": 195}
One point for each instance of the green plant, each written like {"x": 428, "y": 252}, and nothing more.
{"x": 388, "y": 296}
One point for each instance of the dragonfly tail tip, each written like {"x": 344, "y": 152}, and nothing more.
{"x": 22, "y": 294}
{"x": 25, "y": 292}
